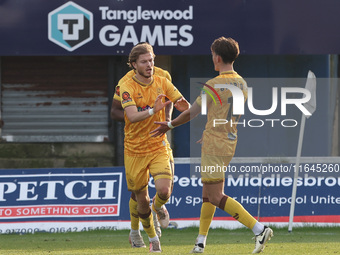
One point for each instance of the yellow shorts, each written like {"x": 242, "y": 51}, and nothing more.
{"x": 213, "y": 168}
{"x": 138, "y": 169}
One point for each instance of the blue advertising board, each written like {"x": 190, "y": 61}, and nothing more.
{"x": 80, "y": 199}
{"x": 39, "y": 197}
{"x": 112, "y": 27}
{"x": 265, "y": 190}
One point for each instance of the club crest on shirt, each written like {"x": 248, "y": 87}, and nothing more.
{"x": 159, "y": 91}
{"x": 126, "y": 98}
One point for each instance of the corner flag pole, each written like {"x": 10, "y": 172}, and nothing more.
{"x": 311, "y": 106}
{"x": 296, "y": 173}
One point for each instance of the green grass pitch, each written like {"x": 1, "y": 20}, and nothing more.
{"x": 306, "y": 240}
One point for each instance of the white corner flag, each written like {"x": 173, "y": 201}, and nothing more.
{"x": 311, "y": 107}
{"x": 311, "y": 86}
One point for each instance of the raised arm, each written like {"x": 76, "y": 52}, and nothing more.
{"x": 184, "y": 117}
{"x": 182, "y": 104}
{"x": 135, "y": 116}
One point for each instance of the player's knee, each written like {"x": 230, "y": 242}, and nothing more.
{"x": 164, "y": 192}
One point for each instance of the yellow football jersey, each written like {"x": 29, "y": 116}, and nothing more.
{"x": 221, "y": 140}
{"x": 138, "y": 141}
{"x": 157, "y": 71}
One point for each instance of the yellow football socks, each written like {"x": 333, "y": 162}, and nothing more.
{"x": 157, "y": 204}
{"x": 147, "y": 222}
{"x": 134, "y": 214}
{"x": 207, "y": 214}
{"x": 238, "y": 212}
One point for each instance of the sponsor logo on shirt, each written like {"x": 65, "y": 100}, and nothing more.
{"x": 144, "y": 108}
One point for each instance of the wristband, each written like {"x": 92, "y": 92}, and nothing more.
{"x": 170, "y": 125}
{"x": 151, "y": 112}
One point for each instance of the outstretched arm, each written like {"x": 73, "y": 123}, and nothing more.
{"x": 182, "y": 104}
{"x": 187, "y": 115}
{"x": 168, "y": 113}
{"x": 184, "y": 117}
{"x": 134, "y": 116}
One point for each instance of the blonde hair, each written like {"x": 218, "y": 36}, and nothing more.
{"x": 137, "y": 50}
